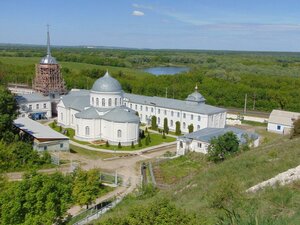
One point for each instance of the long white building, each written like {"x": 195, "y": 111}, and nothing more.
{"x": 107, "y": 113}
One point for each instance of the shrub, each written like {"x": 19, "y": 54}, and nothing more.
{"x": 119, "y": 145}
{"x": 107, "y": 144}
{"x": 132, "y": 144}
{"x": 177, "y": 131}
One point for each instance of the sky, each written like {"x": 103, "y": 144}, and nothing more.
{"x": 252, "y": 25}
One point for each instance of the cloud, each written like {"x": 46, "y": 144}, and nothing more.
{"x": 138, "y": 6}
{"x": 137, "y": 13}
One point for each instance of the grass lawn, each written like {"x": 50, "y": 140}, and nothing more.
{"x": 252, "y": 123}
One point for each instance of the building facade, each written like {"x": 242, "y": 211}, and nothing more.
{"x": 99, "y": 114}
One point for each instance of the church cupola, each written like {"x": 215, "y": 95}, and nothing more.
{"x": 195, "y": 97}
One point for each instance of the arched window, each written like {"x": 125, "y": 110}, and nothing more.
{"x": 119, "y": 133}
{"x": 87, "y": 131}
{"x": 183, "y": 125}
{"x": 109, "y": 102}
{"x": 158, "y": 120}
{"x": 97, "y": 101}
{"x": 120, "y": 101}
{"x": 116, "y": 101}
{"x": 171, "y": 123}
{"x": 92, "y": 100}
{"x": 103, "y": 101}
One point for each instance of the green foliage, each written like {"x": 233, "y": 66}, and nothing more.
{"x": 296, "y": 129}
{"x": 8, "y": 112}
{"x": 191, "y": 128}
{"x": 132, "y": 145}
{"x": 153, "y": 123}
{"x": 164, "y": 135}
{"x": 146, "y": 130}
{"x": 60, "y": 128}
{"x": 37, "y": 199}
{"x": 222, "y": 146}
{"x": 166, "y": 127}
{"x": 86, "y": 186}
{"x": 107, "y": 144}
{"x": 177, "y": 130}
{"x": 20, "y": 155}
{"x": 140, "y": 142}
{"x": 119, "y": 145}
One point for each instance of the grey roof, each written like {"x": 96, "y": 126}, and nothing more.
{"x": 207, "y": 134}
{"x": 195, "y": 97}
{"x": 121, "y": 114}
{"x": 90, "y": 113}
{"x": 107, "y": 84}
{"x": 77, "y": 99}
{"x": 37, "y": 130}
{"x": 283, "y": 117}
{"x": 175, "y": 104}
{"x": 33, "y": 97}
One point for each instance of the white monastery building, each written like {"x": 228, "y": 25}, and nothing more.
{"x": 107, "y": 113}
{"x": 282, "y": 121}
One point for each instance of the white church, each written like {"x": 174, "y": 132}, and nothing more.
{"x": 107, "y": 113}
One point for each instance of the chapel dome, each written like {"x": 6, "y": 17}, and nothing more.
{"x": 195, "y": 97}
{"x": 107, "y": 84}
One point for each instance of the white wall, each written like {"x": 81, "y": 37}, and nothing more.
{"x": 56, "y": 145}
{"x": 35, "y": 107}
{"x": 106, "y": 96}
{"x": 283, "y": 129}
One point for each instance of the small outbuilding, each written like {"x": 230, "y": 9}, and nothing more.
{"x": 44, "y": 138}
{"x": 199, "y": 141}
{"x": 281, "y": 122}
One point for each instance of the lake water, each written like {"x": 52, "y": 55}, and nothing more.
{"x": 170, "y": 70}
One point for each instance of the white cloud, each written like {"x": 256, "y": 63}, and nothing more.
{"x": 137, "y": 13}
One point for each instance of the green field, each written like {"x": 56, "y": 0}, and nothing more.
{"x": 216, "y": 192}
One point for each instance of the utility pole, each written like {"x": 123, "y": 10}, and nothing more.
{"x": 245, "y": 106}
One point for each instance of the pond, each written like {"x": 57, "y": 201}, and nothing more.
{"x": 170, "y": 70}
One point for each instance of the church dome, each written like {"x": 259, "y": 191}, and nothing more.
{"x": 48, "y": 59}
{"x": 107, "y": 84}
{"x": 195, "y": 97}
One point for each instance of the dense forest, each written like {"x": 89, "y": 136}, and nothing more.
{"x": 270, "y": 80}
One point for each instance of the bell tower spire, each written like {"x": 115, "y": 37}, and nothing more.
{"x": 48, "y": 41}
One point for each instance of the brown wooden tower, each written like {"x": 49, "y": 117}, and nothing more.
{"x": 48, "y": 79}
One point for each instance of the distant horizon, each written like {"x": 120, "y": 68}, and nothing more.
{"x": 135, "y": 48}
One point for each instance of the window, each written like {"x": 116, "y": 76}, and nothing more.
{"x": 30, "y": 107}
{"x": 61, "y": 116}
{"x": 120, "y": 101}
{"x": 92, "y": 100}
{"x": 87, "y": 131}
{"x": 146, "y": 117}
{"x": 146, "y": 108}
{"x": 152, "y": 109}
{"x": 183, "y": 125}
{"x": 97, "y": 101}
{"x": 61, "y": 145}
{"x": 103, "y": 101}
{"x": 37, "y": 106}
{"x": 125, "y": 103}
{"x": 158, "y": 111}
{"x": 199, "y": 118}
{"x": 165, "y": 112}
{"x": 131, "y": 106}
{"x": 158, "y": 120}
{"x": 141, "y": 107}
{"x": 181, "y": 144}
{"x": 45, "y": 105}
{"x": 192, "y": 116}
{"x": 184, "y": 115}
{"x": 116, "y": 101}
{"x": 109, "y": 102}
{"x": 171, "y": 123}
{"x": 199, "y": 145}
{"x": 198, "y": 127}
{"x": 178, "y": 114}
{"x": 278, "y": 127}
{"x": 119, "y": 133}
{"x": 45, "y": 148}
{"x": 135, "y": 107}
{"x": 172, "y": 113}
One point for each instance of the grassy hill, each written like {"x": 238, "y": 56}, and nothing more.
{"x": 215, "y": 193}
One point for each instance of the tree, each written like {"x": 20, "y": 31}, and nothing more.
{"x": 8, "y": 111}
{"x": 153, "y": 123}
{"x": 191, "y": 128}
{"x": 140, "y": 143}
{"x": 86, "y": 186}
{"x": 164, "y": 135}
{"x": 222, "y": 146}
{"x": 166, "y": 128}
{"x": 177, "y": 130}
{"x": 296, "y": 128}
{"x": 132, "y": 145}
{"x": 119, "y": 145}
{"x": 107, "y": 144}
